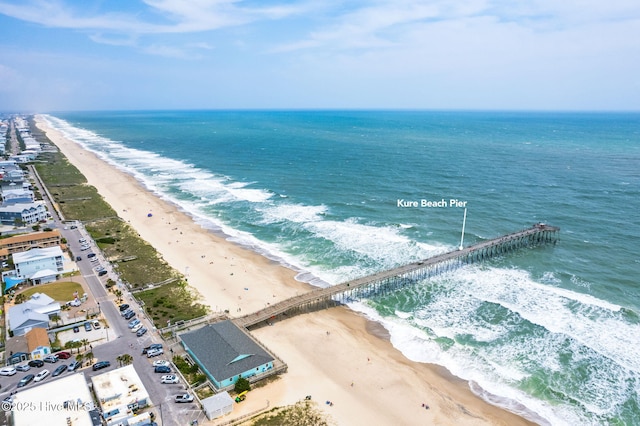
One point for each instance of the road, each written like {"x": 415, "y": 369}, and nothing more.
{"x": 119, "y": 339}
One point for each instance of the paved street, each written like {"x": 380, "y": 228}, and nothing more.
{"x": 114, "y": 338}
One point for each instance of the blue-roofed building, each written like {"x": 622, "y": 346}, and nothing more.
{"x": 225, "y": 353}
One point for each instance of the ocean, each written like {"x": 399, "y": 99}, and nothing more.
{"x": 552, "y": 333}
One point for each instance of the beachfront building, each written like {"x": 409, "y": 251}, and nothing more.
{"x": 40, "y": 265}
{"x": 225, "y": 353}
{"x": 121, "y": 395}
{"x": 38, "y": 343}
{"x": 20, "y": 214}
{"x": 64, "y": 401}
{"x": 34, "y": 313}
{"x": 25, "y": 242}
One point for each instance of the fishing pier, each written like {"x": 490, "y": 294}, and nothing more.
{"x": 393, "y": 279}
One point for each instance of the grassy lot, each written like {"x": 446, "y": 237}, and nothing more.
{"x": 118, "y": 241}
{"x": 60, "y": 291}
{"x": 171, "y": 302}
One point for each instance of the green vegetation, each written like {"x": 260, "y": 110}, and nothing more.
{"x": 303, "y": 413}
{"x": 137, "y": 263}
{"x": 191, "y": 373}
{"x": 171, "y": 302}
{"x": 61, "y": 291}
{"x": 242, "y": 385}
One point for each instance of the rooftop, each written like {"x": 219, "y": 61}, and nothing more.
{"x": 62, "y": 401}
{"x": 225, "y": 350}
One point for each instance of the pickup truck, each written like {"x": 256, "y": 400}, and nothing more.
{"x": 184, "y": 398}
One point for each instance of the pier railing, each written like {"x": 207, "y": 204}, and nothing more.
{"x": 393, "y": 279}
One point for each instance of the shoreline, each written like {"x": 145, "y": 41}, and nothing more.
{"x": 370, "y": 382}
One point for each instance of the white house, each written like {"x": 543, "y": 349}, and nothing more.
{"x": 34, "y": 313}
{"x": 40, "y": 265}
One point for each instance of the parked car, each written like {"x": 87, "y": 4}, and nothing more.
{"x": 82, "y": 240}
{"x": 7, "y": 371}
{"x": 85, "y": 247}
{"x": 96, "y": 324}
{"x": 90, "y": 255}
{"x": 36, "y": 363}
{"x": 52, "y": 359}
{"x": 162, "y": 369}
{"x": 129, "y": 315}
{"x": 41, "y": 375}
{"x": 161, "y": 362}
{"x": 63, "y": 355}
{"x": 74, "y": 366}
{"x": 23, "y": 367}
{"x": 87, "y": 326}
{"x": 26, "y": 380}
{"x": 170, "y": 379}
{"x": 153, "y": 346}
{"x": 78, "y": 258}
{"x": 141, "y": 332}
{"x": 136, "y": 327}
{"x": 124, "y": 307}
{"x": 76, "y": 329}
{"x": 102, "y": 273}
{"x": 100, "y": 365}
{"x": 58, "y": 371}
{"x": 184, "y": 398}
{"x": 154, "y": 352}
{"x": 134, "y": 322}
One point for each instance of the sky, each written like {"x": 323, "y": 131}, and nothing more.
{"x": 69, "y": 55}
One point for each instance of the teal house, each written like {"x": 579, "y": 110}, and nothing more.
{"x": 225, "y": 353}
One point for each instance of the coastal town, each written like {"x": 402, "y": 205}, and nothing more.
{"x": 78, "y": 345}
{"x": 111, "y": 316}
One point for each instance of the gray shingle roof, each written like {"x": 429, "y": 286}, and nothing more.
{"x": 224, "y": 350}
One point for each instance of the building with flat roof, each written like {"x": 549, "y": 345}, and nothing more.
{"x": 225, "y": 353}
{"x": 121, "y": 395}
{"x": 63, "y": 401}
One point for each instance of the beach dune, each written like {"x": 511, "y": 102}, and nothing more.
{"x": 334, "y": 355}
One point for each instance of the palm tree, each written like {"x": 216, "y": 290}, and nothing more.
{"x": 89, "y": 357}
{"x": 124, "y": 359}
{"x": 84, "y": 342}
{"x": 55, "y": 318}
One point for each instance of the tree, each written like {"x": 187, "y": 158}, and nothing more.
{"x": 55, "y": 318}
{"x": 20, "y": 298}
{"x": 84, "y": 342}
{"x": 124, "y": 359}
{"x": 89, "y": 357}
{"x": 242, "y": 385}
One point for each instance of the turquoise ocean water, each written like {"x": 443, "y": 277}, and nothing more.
{"x": 551, "y": 333}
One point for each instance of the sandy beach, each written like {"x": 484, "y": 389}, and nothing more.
{"x": 334, "y": 355}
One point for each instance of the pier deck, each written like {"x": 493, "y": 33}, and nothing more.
{"x": 395, "y": 278}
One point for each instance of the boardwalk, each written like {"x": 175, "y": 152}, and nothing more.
{"x": 392, "y": 279}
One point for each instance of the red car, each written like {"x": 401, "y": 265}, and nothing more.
{"x": 63, "y": 355}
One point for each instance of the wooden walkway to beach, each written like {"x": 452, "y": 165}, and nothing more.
{"x": 393, "y": 279}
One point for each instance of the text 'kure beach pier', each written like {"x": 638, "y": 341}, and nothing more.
{"x": 393, "y": 279}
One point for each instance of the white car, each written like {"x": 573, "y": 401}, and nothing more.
{"x": 136, "y": 327}
{"x": 161, "y": 363}
{"x": 41, "y": 375}
{"x": 7, "y": 371}
{"x": 154, "y": 352}
{"x": 170, "y": 378}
